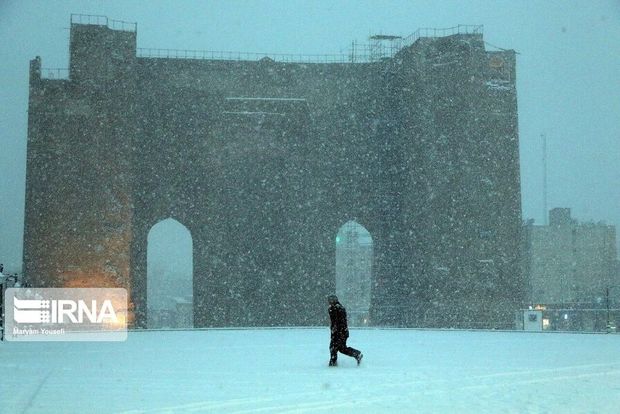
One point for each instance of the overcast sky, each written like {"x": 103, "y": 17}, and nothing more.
{"x": 568, "y": 75}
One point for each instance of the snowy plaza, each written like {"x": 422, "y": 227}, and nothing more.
{"x": 285, "y": 371}
{"x": 203, "y": 202}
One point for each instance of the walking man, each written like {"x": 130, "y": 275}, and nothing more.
{"x": 339, "y": 332}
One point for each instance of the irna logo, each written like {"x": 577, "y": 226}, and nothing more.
{"x": 66, "y": 314}
{"x": 63, "y": 311}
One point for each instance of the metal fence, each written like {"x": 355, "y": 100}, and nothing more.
{"x": 55, "y": 73}
{"x": 237, "y": 56}
{"x": 431, "y": 32}
{"x": 356, "y": 53}
{"x": 97, "y": 20}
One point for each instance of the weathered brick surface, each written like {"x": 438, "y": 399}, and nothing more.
{"x": 421, "y": 149}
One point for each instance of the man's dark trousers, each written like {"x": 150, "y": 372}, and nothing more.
{"x": 337, "y": 344}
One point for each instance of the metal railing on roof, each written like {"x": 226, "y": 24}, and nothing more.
{"x": 358, "y": 53}
{"x": 430, "y": 32}
{"x": 55, "y": 73}
{"x": 98, "y": 20}
{"x": 239, "y": 56}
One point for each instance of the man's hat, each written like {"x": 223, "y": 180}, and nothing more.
{"x": 332, "y": 298}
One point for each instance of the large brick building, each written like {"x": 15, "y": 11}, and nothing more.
{"x": 263, "y": 161}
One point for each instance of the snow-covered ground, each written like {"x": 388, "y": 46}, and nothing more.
{"x": 285, "y": 370}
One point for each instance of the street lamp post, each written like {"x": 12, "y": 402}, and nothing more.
{"x": 607, "y": 300}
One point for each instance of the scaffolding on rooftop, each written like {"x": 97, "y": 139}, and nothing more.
{"x": 379, "y": 48}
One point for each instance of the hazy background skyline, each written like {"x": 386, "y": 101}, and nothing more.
{"x": 568, "y": 69}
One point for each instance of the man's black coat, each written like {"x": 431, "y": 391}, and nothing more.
{"x": 338, "y": 317}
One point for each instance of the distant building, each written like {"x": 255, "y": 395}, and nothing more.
{"x": 570, "y": 265}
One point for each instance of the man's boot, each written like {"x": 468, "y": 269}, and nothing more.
{"x": 359, "y": 357}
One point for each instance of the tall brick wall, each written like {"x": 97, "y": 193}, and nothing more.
{"x": 264, "y": 161}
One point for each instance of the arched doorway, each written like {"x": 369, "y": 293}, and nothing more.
{"x": 354, "y": 257}
{"x": 169, "y": 264}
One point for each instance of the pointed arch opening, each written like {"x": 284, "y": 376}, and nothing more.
{"x": 169, "y": 264}
{"x": 354, "y": 263}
